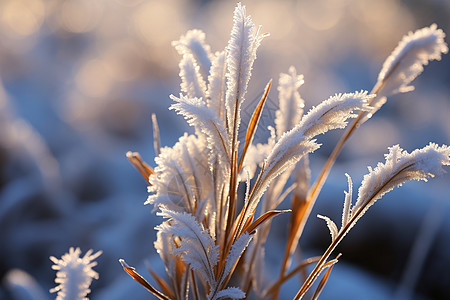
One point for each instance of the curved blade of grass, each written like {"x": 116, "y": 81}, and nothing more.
{"x": 143, "y": 168}
{"x": 161, "y": 282}
{"x": 156, "y": 136}
{"x": 288, "y": 276}
{"x": 253, "y": 124}
{"x": 324, "y": 279}
{"x": 131, "y": 271}
{"x": 265, "y": 217}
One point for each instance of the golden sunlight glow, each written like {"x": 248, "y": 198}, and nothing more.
{"x": 22, "y": 17}
{"x": 156, "y": 21}
{"x": 129, "y": 3}
{"x": 80, "y": 15}
{"x": 121, "y": 60}
{"x": 94, "y": 79}
{"x": 320, "y": 14}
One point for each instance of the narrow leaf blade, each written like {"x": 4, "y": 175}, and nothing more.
{"x": 264, "y": 218}
{"x": 253, "y": 125}
{"x": 136, "y": 276}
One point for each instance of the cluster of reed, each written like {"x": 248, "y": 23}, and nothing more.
{"x": 209, "y": 231}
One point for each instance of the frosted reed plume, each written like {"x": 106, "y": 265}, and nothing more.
{"x": 208, "y": 225}
{"x": 400, "y": 167}
{"x": 401, "y": 67}
{"x": 74, "y": 274}
{"x": 406, "y": 62}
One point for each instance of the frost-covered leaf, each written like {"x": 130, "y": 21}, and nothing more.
{"x": 241, "y": 53}
{"x": 174, "y": 265}
{"x": 182, "y": 178}
{"x": 217, "y": 87}
{"x": 253, "y": 124}
{"x": 347, "y": 202}
{"x": 205, "y": 122}
{"x": 192, "y": 82}
{"x": 400, "y": 166}
{"x": 256, "y": 154}
{"x": 296, "y": 143}
{"x": 229, "y": 293}
{"x": 407, "y": 60}
{"x": 236, "y": 251}
{"x": 164, "y": 246}
{"x": 331, "y": 226}
{"x": 279, "y": 159}
{"x": 193, "y": 42}
{"x": 291, "y": 104}
{"x": 195, "y": 246}
{"x": 332, "y": 113}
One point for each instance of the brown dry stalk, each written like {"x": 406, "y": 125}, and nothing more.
{"x": 156, "y": 136}
{"x": 231, "y": 202}
{"x": 143, "y": 168}
{"x": 136, "y": 276}
{"x": 161, "y": 282}
{"x": 322, "y": 262}
{"x": 194, "y": 286}
{"x": 253, "y": 124}
{"x": 323, "y": 281}
{"x": 289, "y": 275}
{"x": 299, "y": 218}
{"x": 265, "y": 217}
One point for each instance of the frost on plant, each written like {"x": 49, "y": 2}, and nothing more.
{"x": 406, "y": 63}
{"x": 74, "y": 274}
{"x": 400, "y": 167}
{"x": 207, "y": 225}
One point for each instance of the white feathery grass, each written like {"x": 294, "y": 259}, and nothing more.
{"x": 294, "y": 144}
{"x": 229, "y": 293}
{"x": 196, "y": 246}
{"x": 400, "y": 166}
{"x": 192, "y": 82}
{"x": 182, "y": 177}
{"x": 74, "y": 274}
{"x": 193, "y": 42}
{"x": 407, "y": 60}
{"x": 236, "y": 251}
{"x": 217, "y": 86}
{"x": 291, "y": 104}
{"x": 332, "y": 113}
{"x": 331, "y": 226}
{"x": 164, "y": 245}
{"x": 348, "y": 202}
{"x": 241, "y": 53}
{"x": 205, "y": 121}
{"x": 256, "y": 154}
{"x": 208, "y": 225}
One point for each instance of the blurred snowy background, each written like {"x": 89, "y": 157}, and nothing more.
{"x": 79, "y": 80}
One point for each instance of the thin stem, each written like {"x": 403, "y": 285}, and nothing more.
{"x": 194, "y": 286}
{"x": 314, "y": 191}
{"x": 291, "y": 274}
{"x": 319, "y": 266}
